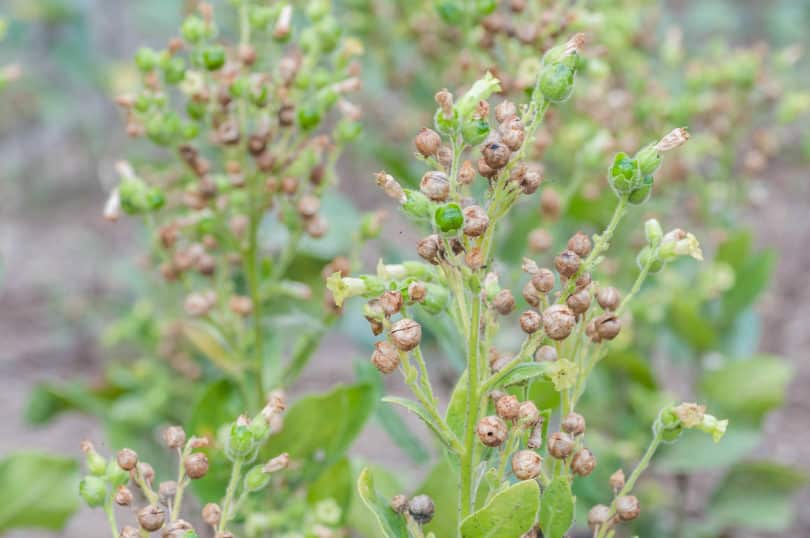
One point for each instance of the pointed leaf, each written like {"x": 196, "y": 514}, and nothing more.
{"x": 419, "y": 410}
{"x": 212, "y": 345}
{"x": 557, "y": 509}
{"x": 391, "y": 523}
{"x": 509, "y": 514}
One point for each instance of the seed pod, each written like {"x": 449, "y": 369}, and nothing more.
{"x": 146, "y": 471}
{"x": 583, "y": 462}
{"x": 627, "y": 507}
{"x": 580, "y": 244}
{"x": 545, "y": 354}
{"x": 129, "y": 532}
{"x": 582, "y": 281}
{"x": 385, "y": 357}
{"x": 211, "y": 514}
{"x": 579, "y": 302}
{"x": 123, "y": 496}
{"x": 430, "y": 248}
{"x": 417, "y": 292}
{"x": 435, "y": 186}
{"x": 540, "y": 240}
{"x": 151, "y": 518}
{"x": 317, "y": 226}
{"x": 567, "y": 263}
{"x": 573, "y": 423}
{"x": 474, "y": 258}
{"x": 608, "y": 298}
{"x": 543, "y": 280}
{"x": 598, "y": 516}
{"x": 197, "y": 304}
{"x": 507, "y": 407}
{"x": 399, "y": 504}
{"x": 616, "y": 481}
{"x": 531, "y": 180}
{"x": 166, "y": 491}
{"x": 196, "y": 465}
{"x": 93, "y": 490}
{"x": 445, "y": 156}
{"x": 491, "y": 431}
{"x": 550, "y": 204}
{"x": 206, "y": 265}
{"x": 513, "y": 133}
{"x": 466, "y": 174}
{"x": 536, "y": 438}
{"x": 127, "y": 459}
{"x": 530, "y": 321}
{"x": 241, "y": 305}
{"x": 504, "y": 302}
{"x": 558, "y": 321}
{"x": 560, "y": 445}
{"x": 496, "y": 154}
{"x": 427, "y": 142}
{"x": 178, "y": 529}
{"x": 485, "y": 170}
{"x": 531, "y": 295}
{"x": 504, "y": 110}
{"x": 528, "y": 415}
{"x": 476, "y": 221}
{"x": 406, "y": 334}
{"x": 391, "y": 302}
{"x": 526, "y": 464}
{"x": 421, "y": 509}
{"x": 308, "y": 206}
{"x": 607, "y": 326}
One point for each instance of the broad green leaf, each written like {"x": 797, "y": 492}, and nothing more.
{"x": 748, "y": 389}
{"x": 441, "y": 485}
{"x": 750, "y": 280}
{"x": 419, "y": 410}
{"x": 542, "y": 393}
{"x": 456, "y": 415}
{"x": 756, "y": 495}
{"x": 386, "y": 484}
{"x": 336, "y": 483}
{"x": 306, "y": 345}
{"x": 691, "y": 325}
{"x": 695, "y": 450}
{"x": 391, "y": 523}
{"x": 47, "y": 401}
{"x": 38, "y": 490}
{"x": 509, "y": 514}
{"x": 734, "y": 250}
{"x": 633, "y": 365}
{"x": 520, "y": 373}
{"x": 557, "y": 509}
{"x": 210, "y": 343}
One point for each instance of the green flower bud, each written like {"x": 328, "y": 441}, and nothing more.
{"x": 556, "y": 82}
{"x": 347, "y": 130}
{"x": 213, "y": 57}
{"x": 259, "y": 427}
{"x": 328, "y": 32}
{"x": 642, "y": 193}
{"x": 142, "y": 103}
{"x": 448, "y": 217}
{"x": 343, "y": 288}
{"x": 133, "y": 194}
{"x": 436, "y": 298}
{"x": 416, "y": 204}
{"x": 644, "y": 257}
{"x": 653, "y": 231}
{"x": 450, "y": 11}
{"x": 308, "y": 116}
{"x": 480, "y": 91}
{"x": 256, "y": 479}
{"x": 193, "y": 29}
{"x": 649, "y": 159}
{"x": 146, "y": 59}
{"x": 475, "y": 131}
{"x": 116, "y": 475}
{"x": 93, "y": 490}
{"x": 624, "y": 174}
{"x": 174, "y": 71}
{"x": 239, "y": 87}
{"x": 240, "y": 442}
{"x": 195, "y": 110}
{"x": 155, "y": 199}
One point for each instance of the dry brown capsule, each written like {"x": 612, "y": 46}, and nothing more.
{"x": 491, "y": 431}
{"x": 558, "y": 321}
{"x": 241, "y": 305}
{"x": 196, "y": 465}
{"x": 427, "y": 142}
{"x": 598, "y": 516}
{"x": 528, "y": 415}
{"x": 166, "y": 491}
{"x": 627, "y": 507}
{"x": 545, "y": 354}
{"x": 130, "y": 532}
{"x": 430, "y": 248}
{"x": 543, "y": 280}
{"x": 504, "y": 110}
{"x": 391, "y": 302}
{"x": 211, "y": 514}
{"x": 417, "y": 291}
{"x": 421, "y": 509}
{"x": 616, "y": 481}
{"x": 151, "y": 518}
{"x": 579, "y": 302}
{"x": 550, "y": 204}
{"x": 526, "y": 464}
{"x": 123, "y": 497}
{"x": 127, "y": 459}
{"x": 608, "y": 298}
{"x": 507, "y": 407}
{"x": 607, "y": 327}
{"x": 531, "y": 180}
{"x": 530, "y": 321}
{"x": 513, "y": 133}
{"x": 174, "y": 437}
{"x": 308, "y": 206}
{"x": 435, "y": 186}
{"x": 485, "y": 170}
{"x": 560, "y": 445}
{"x": 466, "y": 174}
{"x": 580, "y": 244}
{"x": 385, "y": 357}
{"x": 406, "y": 334}
{"x": 573, "y": 423}
{"x": 476, "y": 221}
{"x": 531, "y": 295}
{"x": 567, "y": 263}
{"x": 496, "y": 154}
{"x": 474, "y": 258}
{"x": 583, "y": 462}
{"x": 540, "y": 240}
{"x": 504, "y": 302}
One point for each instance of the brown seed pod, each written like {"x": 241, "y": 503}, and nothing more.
{"x": 545, "y": 354}
{"x": 485, "y": 170}
{"x": 474, "y": 258}
{"x": 241, "y": 305}
{"x": 504, "y": 110}
{"x": 504, "y": 302}
{"x": 391, "y": 302}
{"x": 582, "y": 281}
{"x": 466, "y": 174}
{"x": 123, "y": 496}
{"x": 427, "y": 142}
{"x": 147, "y": 472}
{"x": 385, "y": 357}
{"x": 536, "y": 438}
{"x": 560, "y": 445}
{"x": 580, "y": 244}
{"x": 512, "y": 133}
{"x": 531, "y": 180}
{"x": 606, "y": 326}
{"x": 174, "y": 437}
{"x": 526, "y": 464}
{"x": 130, "y": 532}
{"x": 558, "y": 321}
{"x": 430, "y": 248}
{"x": 567, "y": 263}
{"x": 579, "y": 302}
{"x": 151, "y": 518}
{"x": 528, "y": 415}
{"x": 531, "y": 295}
{"x": 308, "y": 206}
{"x": 317, "y": 226}
{"x": 211, "y": 514}
{"x": 540, "y": 240}
{"x": 598, "y": 516}
{"x": 583, "y": 462}
{"x": 166, "y": 492}
{"x": 421, "y": 509}
{"x": 196, "y": 465}
{"x": 435, "y": 185}
{"x": 507, "y": 407}
{"x": 445, "y": 156}
{"x": 399, "y": 504}
{"x": 573, "y": 423}
{"x": 550, "y": 204}
{"x": 530, "y": 321}
{"x": 543, "y": 280}
{"x": 616, "y": 481}
{"x": 417, "y": 291}
{"x": 491, "y": 431}
{"x": 627, "y": 507}
{"x": 496, "y": 154}
{"x": 127, "y": 459}
{"x": 608, "y": 298}
{"x": 476, "y": 221}
{"x": 406, "y": 334}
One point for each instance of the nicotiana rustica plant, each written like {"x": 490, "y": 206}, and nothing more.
{"x": 514, "y": 462}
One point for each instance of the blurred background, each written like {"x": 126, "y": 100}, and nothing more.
{"x": 66, "y": 274}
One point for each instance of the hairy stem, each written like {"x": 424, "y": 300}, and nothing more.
{"x": 236, "y": 474}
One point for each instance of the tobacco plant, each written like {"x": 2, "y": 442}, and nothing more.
{"x": 506, "y": 487}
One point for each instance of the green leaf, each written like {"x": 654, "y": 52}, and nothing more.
{"x": 520, "y": 373}
{"x": 695, "y": 450}
{"x": 633, "y": 365}
{"x": 418, "y": 409}
{"x": 47, "y": 401}
{"x": 756, "y": 495}
{"x": 691, "y": 325}
{"x": 456, "y": 414}
{"x": 208, "y": 341}
{"x": 336, "y": 483}
{"x": 557, "y": 509}
{"x": 748, "y": 389}
{"x": 750, "y": 280}
{"x": 734, "y": 250}
{"x": 509, "y": 514}
{"x": 38, "y": 490}
{"x": 441, "y": 485}
{"x": 391, "y": 523}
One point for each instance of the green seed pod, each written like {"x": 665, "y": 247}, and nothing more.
{"x": 132, "y": 192}
{"x": 328, "y": 31}
{"x": 259, "y": 427}
{"x": 256, "y": 479}
{"x": 649, "y": 159}
{"x": 444, "y": 124}
{"x": 155, "y": 199}
{"x": 239, "y": 87}
{"x": 308, "y": 117}
{"x": 556, "y": 82}
{"x": 624, "y": 174}
{"x": 240, "y": 442}
{"x": 416, "y": 204}
{"x": 93, "y": 490}
{"x": 213, "y": 57}
{"x": 146, "y": 59}
{"x": 475, "y": 131}
{"x": 642, "y": 193}
{"x": 142, "y": 103}
{"x": 436, "y": 298}
{"x": 193, "y": 29}
{"x": 450, "y": 11}
{"x": 195, "y": 110}
{"x": 347, "y": 130}
{"x": 174, "y": 71}
{"x": 485, "y": 7}
{"x": 448, "y": 217}
{"x": 116, "y": 475}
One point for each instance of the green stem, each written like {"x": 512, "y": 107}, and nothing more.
{"x": 236, "y": 474}
{"x": 473, "y": 378}
{"x": 181, "y": 484}
{"x": 642, "y": 276}
{"x": 110, "y": 511}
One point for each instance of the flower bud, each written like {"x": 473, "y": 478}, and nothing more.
{"x": 616, "y": 481}
{"x": 174, "y": 437}
{"x": 598, "y": 516}
{"x": 385, "y": 357}
{"x": 558, "y": 321}
{"x": 390, "y": 186}
{"x": 435, "y": 185}
{"x": 96, "y": 464}
{"x": 496, "y": 154}
{"x": 608, "y": 298}
{"x": 196, "y": 465}
{"x": 211, "y": 514}
{"x": 624, "y": 174}
{"x": 543, "y": 280}
{"x": 507, "y": 407}
{"x": 406, "y": 334}
{"x": 583, "y": 462}
{"x": 627, "y": 507}
{"x": 567, "y": 263}
{"x": 491, "y": 431}
{"x": 545, "y": 354}
{"x": 649, "y": 159}
{"x": 93, "y": 491}
{"x": 560, "y": 445}
{"x": 123, "y": 496}
{"x": 127, "y": 459}
{"x": 421, "y": 509}
{"x": 476, "y": 221}
{"x": 115, "y": 475}
{"x": 151, "y": 518}
{"x": 573, "y": 423}
{"x": 653, "y": 232}
{"x": 556, "y": 82}
{"x": 528, "y": 415}
{"x": 430, "y": 248}
{"x": 280, "y": 462}
{"x": 256, "y": 479}
{"x": 427, "y": 142}
{"x": 579, "y": 302}
{"x": 399, "y": 503}
{"x": 580, "y": 244}
{"x": 530, "y": 321}
{"x": 448, "y": 217}
{"x": 526, "y": 464}
{"x": 475, "y": 130}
